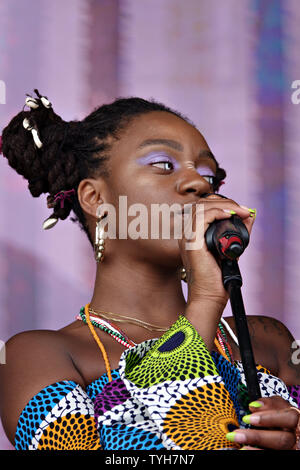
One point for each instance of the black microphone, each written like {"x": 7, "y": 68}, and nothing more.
{"x": 227, "y": 238}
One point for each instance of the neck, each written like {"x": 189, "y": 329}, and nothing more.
{"x": 139, "y": 290}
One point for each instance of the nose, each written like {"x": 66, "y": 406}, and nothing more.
{"x": 192, "y": 182}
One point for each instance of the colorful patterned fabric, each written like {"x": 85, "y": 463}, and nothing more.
{"x": 59, "y": 417}
{"x": 294, "y": 391}
{"x": 167, "y": 393}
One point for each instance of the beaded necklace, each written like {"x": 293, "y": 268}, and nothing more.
{"x": 116, "y": 333}
{"x": 222, "y": 338}
{"x": 108, "y": 327}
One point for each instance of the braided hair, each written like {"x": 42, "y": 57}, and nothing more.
{"x": 71, "y": 151}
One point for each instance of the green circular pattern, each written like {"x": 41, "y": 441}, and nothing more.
{"x": 189, "y": 360}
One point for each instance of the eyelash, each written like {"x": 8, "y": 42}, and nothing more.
{"x": 212, "y": 180}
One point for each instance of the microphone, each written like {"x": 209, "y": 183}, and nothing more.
{"x": 228, "y": 238}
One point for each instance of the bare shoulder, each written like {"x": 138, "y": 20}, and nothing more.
{"x": 274, "y": 346}
{"x": 263, "y": 327}
{"x": 34, "y": 359}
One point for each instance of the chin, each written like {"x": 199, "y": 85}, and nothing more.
{"x": 167, "y": 252}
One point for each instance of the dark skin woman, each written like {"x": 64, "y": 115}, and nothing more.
{"x": 140, "y": 278}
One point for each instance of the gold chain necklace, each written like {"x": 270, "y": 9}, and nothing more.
{"x": 124, "y": 319}
{"x": 222, "y": 348}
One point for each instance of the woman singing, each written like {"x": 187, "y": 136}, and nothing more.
{"x": 140, "y": 368}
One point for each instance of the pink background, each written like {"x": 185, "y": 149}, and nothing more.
{"x": 228, "y": 65}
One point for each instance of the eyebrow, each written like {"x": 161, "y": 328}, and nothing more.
{"x": 170, "y": 143}
{"x": 176, "y": 146}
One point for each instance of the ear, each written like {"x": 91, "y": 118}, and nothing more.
{"x": 91, "y": 193}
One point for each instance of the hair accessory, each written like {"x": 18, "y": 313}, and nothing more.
{"x": 34, "y": 131}
{"x": 50, "y": 222}
{"x": 46, "y": 102}
{"x": 33, "y": 103}
{"x": 51, "y": 201}
{"x": 62, "y": 195}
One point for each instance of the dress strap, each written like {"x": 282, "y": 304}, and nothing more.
{"x": 97, "y": 339}
{"x": 231, "y": 333}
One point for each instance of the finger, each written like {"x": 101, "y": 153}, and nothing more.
{"x": 249, "y": 222}
{"x": 249, "y": 448}
{"x": 265, "y": 439}
{"x": 203, "y": 212}
{"x": 268, "y": 403}
{"x": 197, "y": 221}
{"x": 210, "y": 214}
{"x": 215, "y": 202}
{"x": 282, "y": 418}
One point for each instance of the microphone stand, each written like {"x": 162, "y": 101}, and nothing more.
{"x": 232, "y": 281}
{"x": 227, "y": 240}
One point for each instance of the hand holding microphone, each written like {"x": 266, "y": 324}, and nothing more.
{"x": 227, "y": 240}
{"x": 225, "y": 228}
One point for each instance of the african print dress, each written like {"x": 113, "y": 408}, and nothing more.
{"x": 167, "y": 393}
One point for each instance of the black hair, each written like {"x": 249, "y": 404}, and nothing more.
{"x": 71, "y": 151}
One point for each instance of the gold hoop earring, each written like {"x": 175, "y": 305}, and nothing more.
{"x": 99, "y": 245}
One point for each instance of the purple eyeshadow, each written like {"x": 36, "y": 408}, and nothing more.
{"x": 205, "y": 171}
{"x": 161, "y": 157}
{"x": 156, "y": 157}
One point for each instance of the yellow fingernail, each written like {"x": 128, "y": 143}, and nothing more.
{"x": 230, "y": 436}
{"x": 256, "y": 404}
{"x": 229, "y": 211}
{"x": 236, "y": 437}
{"x": 252, "y": 211}
{"x": 246, "y": 419}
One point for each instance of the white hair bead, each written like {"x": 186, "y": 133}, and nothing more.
{"x": 35, "y": 135}
{"x": 50, "y": 222}
{"x": 36, "y": 138}
{"x": 31, "y": 102}
{"x": 26, "y": 124}
{"x": 45, "y": 102}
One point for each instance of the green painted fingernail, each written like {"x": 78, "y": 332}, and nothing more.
{"x": 256, "y": 404}
{"x": 236, "y": 437}
{"x": 229, "y": 211}
{"x": 230, "y": 436}
{"x": 252, "y": 211}
{"x": 246, "y": 419}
